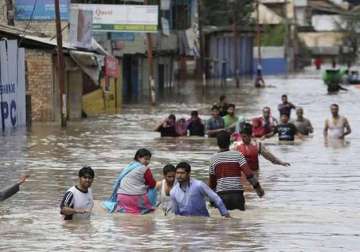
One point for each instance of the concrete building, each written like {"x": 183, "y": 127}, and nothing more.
{"x": 321, "y": 26}
{"x": 41, "y": 78}
{"x": 314, "y": 28}
{"x": 224, "y": 53}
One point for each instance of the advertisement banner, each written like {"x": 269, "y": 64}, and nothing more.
{"x": 81, "y": 28}
{"x": 40, "y": 9}
{"x": 12, "y": 85}
{"x": 122, "y": 18}
{"x": 112, "y": 68}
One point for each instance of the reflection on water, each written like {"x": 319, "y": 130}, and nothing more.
{"x": 310, "y": 206}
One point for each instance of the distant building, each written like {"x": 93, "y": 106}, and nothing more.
{"x": 222, "y": 54}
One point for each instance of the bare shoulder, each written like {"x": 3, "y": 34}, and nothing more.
{"x": 158, "y": 185}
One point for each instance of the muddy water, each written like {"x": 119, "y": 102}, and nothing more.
{"x": 310, "y": 206}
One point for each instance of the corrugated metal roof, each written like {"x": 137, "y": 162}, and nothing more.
{"x": 325, "y": 5}
{"x": 28, "y": 35}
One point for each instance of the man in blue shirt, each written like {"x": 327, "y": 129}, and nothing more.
{"x": 215, "y": 123}
{"x": 188, "y": 195}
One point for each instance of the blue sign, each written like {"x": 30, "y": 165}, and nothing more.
{"x": 123, "y": 36}
{"x": 8, "y": 111}
{"x": 44, "y": 9}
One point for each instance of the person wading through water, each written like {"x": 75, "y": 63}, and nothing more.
{"x": 252, "y": 149}
{"x": 225, "y": 171}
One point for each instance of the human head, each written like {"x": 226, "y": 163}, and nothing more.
{"x": 183, "y": 171}
{"x": 246, "y": 132}
{"x": 86, "y": 177}
{"x": 222, "y": 98}
{"x": 334, "y": 108}
{"x": 266, "y": 112}
{"x": 299, "y": 112}
{"x": 284, "y": 118}
{"x": 223, "y": 140}
{"x": 231, "y": 109}
{"x": 143, "y": 156}
{"x": 284, "y": 98}
{"x": 181, "y": 121}
{"x": 169, "y": 173}
{"x": 171, "y": 118}
{"x": 215, "y": 111}
{"x": 194, "y": 114}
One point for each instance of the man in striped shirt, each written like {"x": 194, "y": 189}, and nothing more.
{"x": 225, "y": 171}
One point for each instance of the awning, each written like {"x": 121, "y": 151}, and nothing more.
{"x": 90, "y": 63}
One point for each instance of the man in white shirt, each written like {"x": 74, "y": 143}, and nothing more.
{"x": 78, "y": 200}
{"x": 336, "y": 127}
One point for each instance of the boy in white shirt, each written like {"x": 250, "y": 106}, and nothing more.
{"x": 78, "y": 200}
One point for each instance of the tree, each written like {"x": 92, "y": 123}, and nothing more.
{"x": 227, "y": 12}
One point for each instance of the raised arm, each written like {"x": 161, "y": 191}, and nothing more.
{"x": 215, "y": 198}
{"x": 11, "y": 190}
{"x": 265, "y": 152}
{"x": 158, "y": 127}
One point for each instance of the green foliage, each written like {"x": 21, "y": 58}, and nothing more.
{"x": 226, "y": 12}
{"x": 273, "y": 35}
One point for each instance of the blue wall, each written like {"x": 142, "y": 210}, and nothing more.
{"x": 273, "y": 66}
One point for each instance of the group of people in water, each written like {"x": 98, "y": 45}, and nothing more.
{"x": 223, "y": 118}
{"x": 136, "y": 191}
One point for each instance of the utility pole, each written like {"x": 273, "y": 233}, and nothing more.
{"x": 10, "y": 13}
{"x": 152, "y": 88}
{"x": 292, "y": 26}
{"x": 287, "y": 39}
{"x": 60, "y": 65}
{"x": 236, "y": 49}
{"x": 258, "y": 41}
{"x": 202, "y": 45}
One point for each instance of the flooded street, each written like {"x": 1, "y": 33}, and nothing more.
{"x": 313, "y": 205}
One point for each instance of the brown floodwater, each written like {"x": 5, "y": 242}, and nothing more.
{"x": 311, "y": 206}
